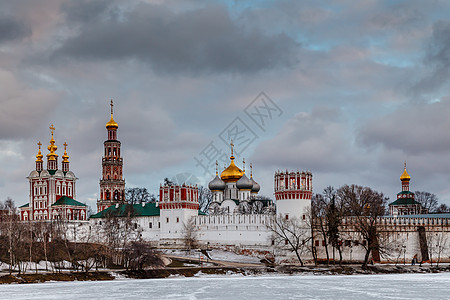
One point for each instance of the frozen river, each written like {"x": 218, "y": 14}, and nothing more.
{"x": 396, "y": 286}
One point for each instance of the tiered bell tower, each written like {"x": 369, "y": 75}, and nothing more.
{"x": 112, "y": 184}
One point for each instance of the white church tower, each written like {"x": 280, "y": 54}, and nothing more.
{"x": 293, "y": 192}
{"x": 178, "y": 204}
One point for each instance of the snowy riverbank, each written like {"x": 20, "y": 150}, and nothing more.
{"x": 199, "y": 271}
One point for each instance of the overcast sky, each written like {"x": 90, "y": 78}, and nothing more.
{"x": 346, "y": 89}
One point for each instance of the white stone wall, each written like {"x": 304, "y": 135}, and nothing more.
{"x": 233, "y": 229}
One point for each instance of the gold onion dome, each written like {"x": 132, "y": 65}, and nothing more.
{"x": 405, "y": 175}
{"x": 232, "y": 173}
{"x": 65, "y": 157}
{"x": 52, "y": 147}
{"x": 39, "y": 156}
{"x": 112, "y": 124}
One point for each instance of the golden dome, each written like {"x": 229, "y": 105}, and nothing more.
{"x": 405, "y": 175}
{"x": 65, "y": 157}
{"x": 39, "y": 156}
{"x": 112, "y": 124}
{"x": 52, "y": 147}
{"x": 232, "y": 173}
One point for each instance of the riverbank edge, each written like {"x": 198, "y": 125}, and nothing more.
{"x": 198, "y": 271}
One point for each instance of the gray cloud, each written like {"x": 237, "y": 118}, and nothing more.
{"x": 12, "y": 29}
{"x": 23, "y": 109}
{"x": 316, "y": 141}
{"x": 414, "y": 130}
{"x": 437, "y": 60}
{"x": 193, "y": 41}
{"x": 82, "y": 11}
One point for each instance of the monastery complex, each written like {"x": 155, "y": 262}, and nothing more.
{"x": 236, "y": 216}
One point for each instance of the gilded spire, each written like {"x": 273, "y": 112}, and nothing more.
{"x": 52, "y": 147}
{"x": 405, "y": 175}
{"x": 65, "y": 157}
{"x": 232, "y": 150}
{"x": 39, "y": 156}
{"x": 243, "y": 165}
{"x": 112, "y": 124}
{"x": 217, "y": 168}
{"x": 232, "y": 173}
{"x": 251, "y": 171}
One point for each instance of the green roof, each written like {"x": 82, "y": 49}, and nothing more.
{"x": 404, "y": 201}
{"x": 67, "y": 201}
{"x": 405, "y": 193}
{"x": 150, "y": 209}
{"x": 25, "y": 205}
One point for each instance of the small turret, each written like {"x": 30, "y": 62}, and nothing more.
{"x": 65, "y": 157}
{"x": 405, "y": 178}
{"x": 39, "y": 161}
{"x": 52, "y": 157}
{"x": 112, "y": 126}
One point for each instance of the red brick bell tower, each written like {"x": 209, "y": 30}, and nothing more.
{"x": 112, "y": 184}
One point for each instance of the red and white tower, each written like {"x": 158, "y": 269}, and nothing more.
{"x": 178, "y": 204}
{"x": 293, "y": 193}
{"x": 112, "y": 184}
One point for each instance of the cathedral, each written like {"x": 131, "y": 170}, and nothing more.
{"x": 52, "y": 190}
{"x": 234, "y": 192}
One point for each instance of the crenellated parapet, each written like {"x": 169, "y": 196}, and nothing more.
{"x": 293, "y": 185}
{"x": 178, "y": 196}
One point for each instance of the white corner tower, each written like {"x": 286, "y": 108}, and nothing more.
{"x": 293, "y": 192}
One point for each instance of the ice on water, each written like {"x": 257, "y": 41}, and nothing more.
{"x": 395, "y": 286}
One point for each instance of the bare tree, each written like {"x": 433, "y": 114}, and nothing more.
{"x": 292, "y": 233}
{"x": 334, "y": 218}
{"x": 366, "y": 206}
{"x": 137, "y": 195}
{"x": 205, "y": 198}
{"x": 318, "y": 214}
{"x": 437, "y": 243}
{"x": 216, "y": 209}
{"x": 428, "y": 200}
{"x": 190, "y": 234}
{"x": 141, "y": 255}
{"x": 167, "y": 181}
{"x": 443, "y": 208}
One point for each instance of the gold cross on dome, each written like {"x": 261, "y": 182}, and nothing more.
{"x": 39, "y": 144}
{"x": 232, "y": 145}
{"x": 52, "y": 128}
{"x": 65, "y": 145}
{"x": 112, "y": 105}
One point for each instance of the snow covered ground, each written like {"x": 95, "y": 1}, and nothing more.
{"x": 395, "y": 286}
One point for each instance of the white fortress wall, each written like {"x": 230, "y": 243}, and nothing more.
{"x": 234, "y": 229}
